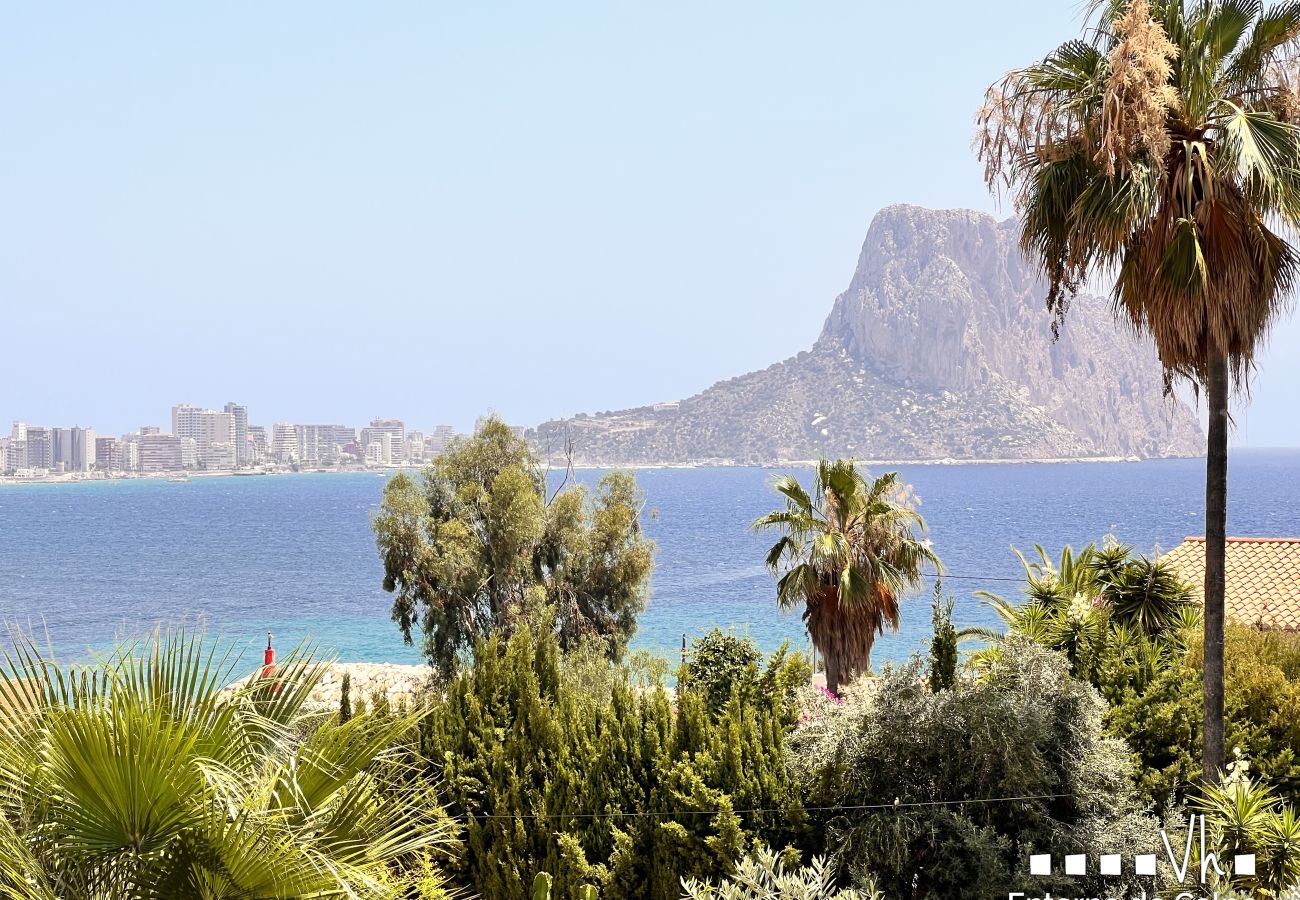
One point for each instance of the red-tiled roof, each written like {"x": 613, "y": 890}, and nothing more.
{"x": 1263, "y": 578}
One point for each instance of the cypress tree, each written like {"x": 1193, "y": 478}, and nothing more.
{"x": 616, "y": 790}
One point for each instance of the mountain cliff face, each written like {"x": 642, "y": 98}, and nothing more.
{"x": 941, "y": 347}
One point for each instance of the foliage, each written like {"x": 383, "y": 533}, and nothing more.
{"x": 1247, "y": 817}
{"x": 1162, "y": 149}
{"x": 612, "y": 787}
{"x": 470, "y": 546}
{"x": 943, "y": 645}
{"x": 848, "y": 554}
{"x": 720, "y": 666}
{"x": 140, "y": 777}
{"x": 1094, "y": 599}
{"x": 1160, "y": 714}
{"x": 943, "y": 794}
{"x": 717, "y": 662}
{"x": 763, "y": 876}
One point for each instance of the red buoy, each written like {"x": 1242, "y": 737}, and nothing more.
{"x": 268, "y": 659}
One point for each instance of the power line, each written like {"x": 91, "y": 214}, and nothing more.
{"x": 635, "y": 814}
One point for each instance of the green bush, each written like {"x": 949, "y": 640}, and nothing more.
{"x": 937, "y": 766}
{"x": 614, "y": 787}
{"x": 720, "y": 665}
{"x": 764, "y": 876}
{"x": 1157, "y": 709}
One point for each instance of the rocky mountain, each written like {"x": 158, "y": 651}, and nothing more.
{"x": 941, "y": 347}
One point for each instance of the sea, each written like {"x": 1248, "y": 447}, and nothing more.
{"x": 83, "y": 564}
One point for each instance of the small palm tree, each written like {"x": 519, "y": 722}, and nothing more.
{"x": 1165, "y": 150}
{"x": 142, "y": 777}
{"x": 851, "y": 550}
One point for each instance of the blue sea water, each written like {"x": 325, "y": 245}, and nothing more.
{"x": 294, "y": 554}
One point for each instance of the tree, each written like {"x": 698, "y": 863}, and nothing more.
{"x": 141, "y": 777}
{"x": 607, "y": 784}
{"x": 1162, "y": 150}
{"x": 849, "y": 553}
{"x": 475, "y": 543}
{"x": 943, "y": 645}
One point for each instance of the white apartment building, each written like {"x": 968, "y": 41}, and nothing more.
{"x": 206, "y": 428}
{"x": 284, "y": 443}
{"x": 243, "y": 447}
{"x": 160, "y": 453}
{"x": 381, "y": 430}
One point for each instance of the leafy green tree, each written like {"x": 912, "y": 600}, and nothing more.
{"x": 471, "y": 546}
{"x": 141, "y": 777}
{"x": 1165, "y": 148}
{"x": 616, "y": 787}
{"x": 1156, "y": 708}
{"x": 943, "y": 794}
{"x": 849, "y": 552}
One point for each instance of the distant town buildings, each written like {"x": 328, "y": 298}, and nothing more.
{"x": 215, "y": 440}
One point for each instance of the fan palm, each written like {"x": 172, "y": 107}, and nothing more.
{"x": 1165, "y": 150}
{"x": 851, "y": 550}
{"x": 141, "y": 777}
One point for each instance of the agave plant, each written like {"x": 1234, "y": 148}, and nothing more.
{"x": 140, "y": 776}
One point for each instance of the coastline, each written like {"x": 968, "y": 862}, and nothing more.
{"x": 559, "y": 465}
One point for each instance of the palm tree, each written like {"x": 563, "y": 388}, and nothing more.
{"x": 1164, "y": 149}
{"x": 142, "y": 777}
{"x": 849, "y": 553}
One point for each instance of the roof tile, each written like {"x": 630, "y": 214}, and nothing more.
{"x": 1263, "y": 578}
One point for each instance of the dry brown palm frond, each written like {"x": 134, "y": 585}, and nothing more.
{"x": 1138, "y": 98}
{"x": 1205, "y": 275}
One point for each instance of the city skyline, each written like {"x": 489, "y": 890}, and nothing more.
{"x": 229, "y": 439}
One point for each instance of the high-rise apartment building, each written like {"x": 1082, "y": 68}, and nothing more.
{"x": 83, "y": 449}
{"x": 381, "y": 430}
{"x": 160, "y": 453}
{"x": 107, "y": 458}
{"x": 213, "y": 433}
{"x": 40, "y": 448}
{"x": 243, "y": 449}
{"x": 260, "y": 447}
{"x": 284, "y": 443}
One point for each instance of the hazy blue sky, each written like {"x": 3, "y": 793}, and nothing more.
{"x": 336, "y": 211}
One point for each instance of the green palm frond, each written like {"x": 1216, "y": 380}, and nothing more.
{"x": 144, "y": 776}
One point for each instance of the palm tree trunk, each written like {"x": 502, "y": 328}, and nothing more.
{"x": 833, "y": 670}
{"x": 1216, "y": 538}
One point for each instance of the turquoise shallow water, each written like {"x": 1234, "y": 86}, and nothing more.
{"x": 294, "y": 554}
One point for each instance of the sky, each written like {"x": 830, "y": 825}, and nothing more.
{"x": 336, "y": 211}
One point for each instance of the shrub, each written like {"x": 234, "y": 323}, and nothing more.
{"x": 141, "y": 777}
{"x": 937, "y": 766}
{"x": 720, "y": 666}
{"x": 763, "y": 876}
{"x": 615, "y": 787}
